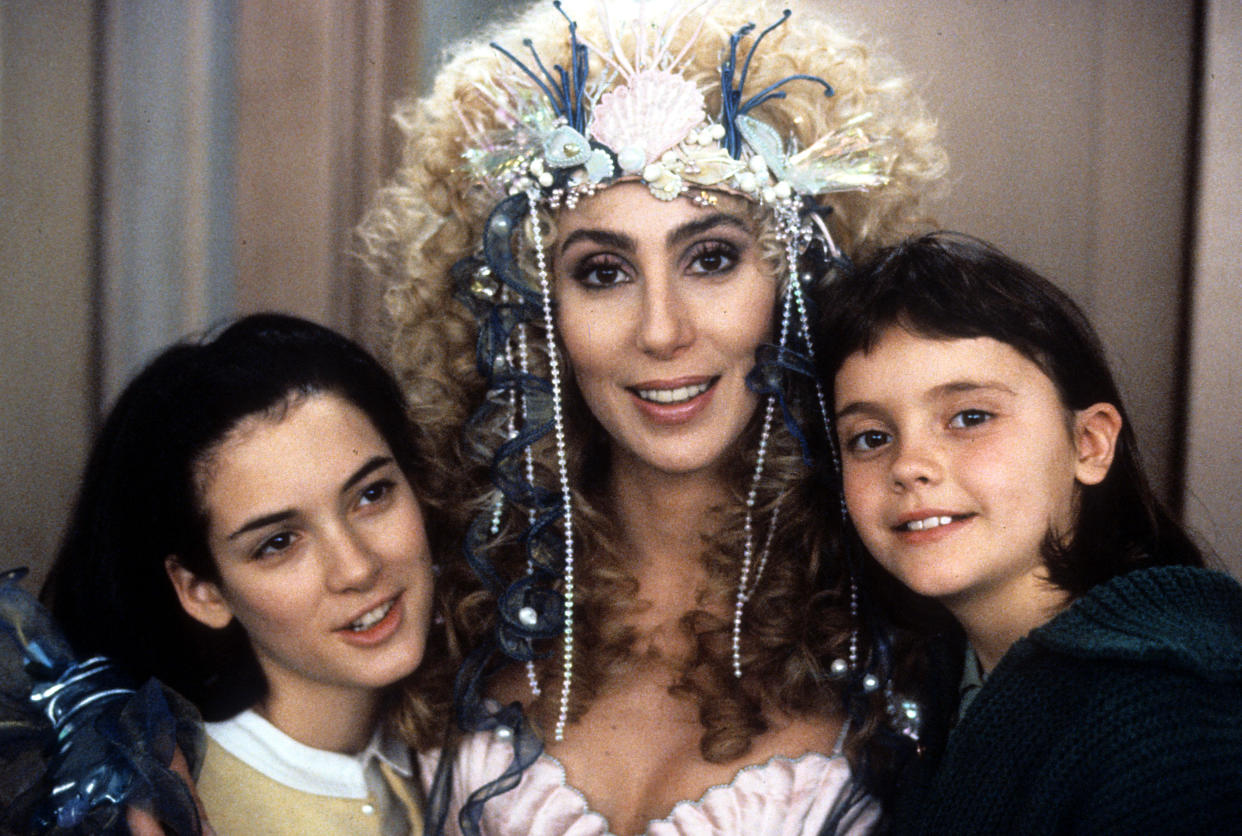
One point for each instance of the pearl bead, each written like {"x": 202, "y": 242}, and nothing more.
{"x": 631, "y": 159}
{"x": 839, "y": 667}
{"x": 504, "y": 732}
{"x": 870, "y": 683}
{"x": 528, "y": 616}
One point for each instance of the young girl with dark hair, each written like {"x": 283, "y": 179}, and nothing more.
{"x": 987, "y": 464}
{"x": 249, "y": 532}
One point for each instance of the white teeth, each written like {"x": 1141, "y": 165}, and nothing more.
{"x": 930, "y": 522}
{"x": 372, "y": 618}
{"x": 669, "y": 396}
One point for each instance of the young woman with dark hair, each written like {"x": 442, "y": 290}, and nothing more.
{"x": 249, "y": 532}
{"x": 988, "y": 465}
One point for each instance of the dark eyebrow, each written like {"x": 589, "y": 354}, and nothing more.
{"x": 951, "y": 388}
{"x": 855, "y": 408}
{"x": 602, "y": 237}
{"x": 261, "y": 522}
{"x": 684, "y": 232}
{"x": 707, "y": 222}
{"x": 957, "y": 386}
{"x": 370, "y": 466}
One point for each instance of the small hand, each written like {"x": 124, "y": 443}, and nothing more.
{"x": 142, "y": 823}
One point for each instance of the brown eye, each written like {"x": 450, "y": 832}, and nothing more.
{"x": 600, "y": 272}
{"x": 275, "y": 544}
{"x": 867, "y": 441}
{"x": 713, "y": 257}
{"x": 970, "y": 418}
{"x": 375, "y": 492}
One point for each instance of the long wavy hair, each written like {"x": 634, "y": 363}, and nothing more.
{"x": 140, "y": 502}
{"x": 431, "y": 215}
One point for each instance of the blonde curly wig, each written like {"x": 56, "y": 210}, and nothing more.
{"x": 432, "y": 214}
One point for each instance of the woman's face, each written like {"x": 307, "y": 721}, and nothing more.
{"x": 320, "y": 548}
{"x": 661, "y": 305}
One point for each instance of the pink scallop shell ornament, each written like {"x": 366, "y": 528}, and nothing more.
{"x": 652, "y": 113}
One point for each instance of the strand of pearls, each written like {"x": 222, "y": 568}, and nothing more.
{"x": 744, "y": 587}
{"x": 529, "y": 457}
{"x": 748, "y": 543}
{"x": 562, "y": 465}
{"x": 842, "y": 667}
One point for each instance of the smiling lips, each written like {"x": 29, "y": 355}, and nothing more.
{"x": 673, "y": 402}
{"x": 928, "y": 522}
{"x": 375, "y": 625}
{"x": 679, "y": 394}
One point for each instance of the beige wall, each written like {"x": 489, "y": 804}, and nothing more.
{"x": 1066, "y": 124}
{"x": 46, "y": 288}
{"x": 1214, "y": 459}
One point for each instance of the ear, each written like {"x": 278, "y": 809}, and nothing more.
{"x": 201, "y": 599}
{"x": 1095, "y": 437}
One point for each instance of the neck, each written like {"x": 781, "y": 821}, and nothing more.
{"x": 335, "y": 720}
{"x": 664, "y": 517}
{"x": 993, "y": 623}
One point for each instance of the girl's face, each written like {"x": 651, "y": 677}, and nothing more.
{"x": 661, "y": 306}
{"x": 320, "y": 548}
{"x": 958, "y": 459}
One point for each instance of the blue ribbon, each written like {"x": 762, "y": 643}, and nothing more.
{"x": 109, "y": 743}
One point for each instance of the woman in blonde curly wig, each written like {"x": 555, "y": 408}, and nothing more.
{"x": 596, "y": 229}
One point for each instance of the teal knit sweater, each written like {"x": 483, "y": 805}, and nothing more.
{"x": 1122, "y": 715}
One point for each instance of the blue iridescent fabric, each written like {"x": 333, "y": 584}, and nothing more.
{"x": 78, "y": 742}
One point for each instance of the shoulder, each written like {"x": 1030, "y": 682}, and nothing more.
{"x": 1175, "y": 617}
{"x": 1155, "y": 643}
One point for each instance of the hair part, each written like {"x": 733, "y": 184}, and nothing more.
{"x": 950, "y": 286}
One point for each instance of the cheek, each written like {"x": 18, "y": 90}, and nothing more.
{"x": 745, "y": 319}
{"x": 268, "y": 613}
{"x": 861, "y": 493}
{"x": 588, "y": 338}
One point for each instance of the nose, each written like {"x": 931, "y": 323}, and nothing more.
{"x": 666, "y": 325}
{"x": 351, "y": 563}
{"x": 916, "y": 462}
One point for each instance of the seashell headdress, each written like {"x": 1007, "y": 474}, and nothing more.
{"x": 564, "y": 136}
{"x": 571, "y": 134}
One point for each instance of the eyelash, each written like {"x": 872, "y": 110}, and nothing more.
{"x": 384, "y": 486}
{"x": 982, "y": 415}
{"x": 714, "y": 249}
{"x": 372, "y": 494}
{"x": 585, "y": 273}
{"x": 585, "y": 270}
{"x": 854, "y": 443}
{"x": 268, "y": 547}
{"x": 965, "y": 419}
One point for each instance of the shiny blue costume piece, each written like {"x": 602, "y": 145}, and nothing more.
{"x": 78, "y": 742}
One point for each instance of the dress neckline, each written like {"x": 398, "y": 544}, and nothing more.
{"x": 587, "y": 810}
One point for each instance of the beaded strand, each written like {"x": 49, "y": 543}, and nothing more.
{"x": 562, "y": 464}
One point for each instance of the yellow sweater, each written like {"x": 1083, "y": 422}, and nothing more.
{"x": 240, "y": 801}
